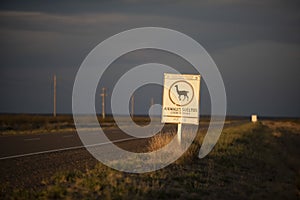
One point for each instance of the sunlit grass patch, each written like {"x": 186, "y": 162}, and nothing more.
{"x": 160, "y": 140}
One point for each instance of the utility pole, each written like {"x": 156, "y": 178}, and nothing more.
{"x": 54, "y": 95}
{"x": 103, "y": 94}
{"x": 152, "y": 102}
{"x": 132, "y": 106}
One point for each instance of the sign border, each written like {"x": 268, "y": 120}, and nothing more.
{"x": 181, "y": 119}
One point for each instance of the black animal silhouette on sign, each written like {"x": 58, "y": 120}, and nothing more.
{"x": 183, "y": 93}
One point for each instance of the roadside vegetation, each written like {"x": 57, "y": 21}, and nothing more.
{"x": 29, "y": 124}
{"x": 250, "y": 161}
{"x": 12, "y": 124}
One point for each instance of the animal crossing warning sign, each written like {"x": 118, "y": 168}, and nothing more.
{"x": 181, "y": 98}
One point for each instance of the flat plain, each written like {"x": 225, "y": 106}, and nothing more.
{"x": 250, "y": 161}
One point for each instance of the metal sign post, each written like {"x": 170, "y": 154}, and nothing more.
{"x": 181, "y": 100}
{"x": 179, "y": 132}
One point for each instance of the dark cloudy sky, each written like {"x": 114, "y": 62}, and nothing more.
{"x": 255, "y": 44}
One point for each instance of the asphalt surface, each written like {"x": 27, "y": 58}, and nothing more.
{"x": 27, "y": 160}
{"x": 14, "y": 146}
{"x": 18, "y": 145}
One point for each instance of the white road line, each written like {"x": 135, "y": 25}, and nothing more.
{"x": 32, "y": 139}
{"x": 68, "y": 148}
{"x": 67, "y": 136}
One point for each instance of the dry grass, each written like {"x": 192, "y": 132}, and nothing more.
{"x": 34, "y": 124}
{"x": 276, "y": 126}
{"x": 30, "y": 124}
{"x": 160, "y": 140}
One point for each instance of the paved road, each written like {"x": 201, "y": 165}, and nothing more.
{"x": 12, "y": 146}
